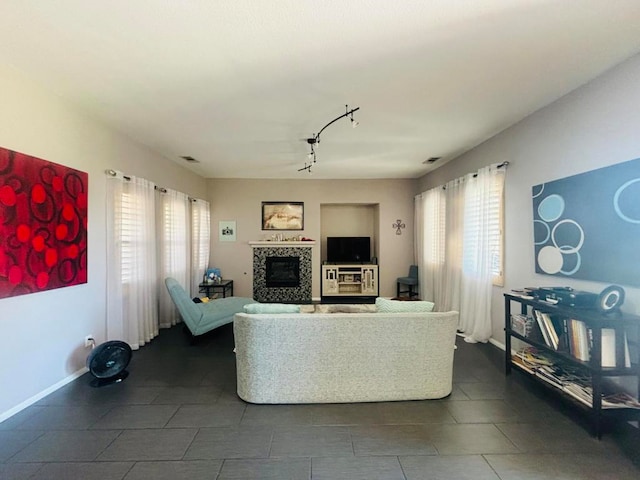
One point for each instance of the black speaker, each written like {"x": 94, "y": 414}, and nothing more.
{"x": 610, "y": 298}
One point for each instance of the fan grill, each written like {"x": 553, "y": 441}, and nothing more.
{"x": 108, "y": 362}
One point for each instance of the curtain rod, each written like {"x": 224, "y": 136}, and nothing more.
{"x": 503, "y": 164}
{"x": 475, "y": 175}
{"x": 113, "y": 173}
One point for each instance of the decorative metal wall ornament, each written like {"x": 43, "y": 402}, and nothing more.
{"x": 398, "y": 226}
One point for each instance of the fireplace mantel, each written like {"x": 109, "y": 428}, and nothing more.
{"x": 271, "y": 243}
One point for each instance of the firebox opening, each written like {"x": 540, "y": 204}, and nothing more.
{"x": 282, "y": 272}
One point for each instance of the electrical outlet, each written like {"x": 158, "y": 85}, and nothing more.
{"x": 89, "y": 341}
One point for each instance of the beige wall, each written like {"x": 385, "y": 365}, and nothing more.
{"x": 340, "y": 220}
{"x": 592, "y": 127}
{"x": 42, "y": 334}
{"x": 240, "y": 200}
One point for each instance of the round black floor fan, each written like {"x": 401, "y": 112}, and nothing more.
{"x": 108, "y": 362}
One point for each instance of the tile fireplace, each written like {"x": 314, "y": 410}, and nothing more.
{"x": 282, "y": 271}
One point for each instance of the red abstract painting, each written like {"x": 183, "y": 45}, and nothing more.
{"x": 43, "y": 225}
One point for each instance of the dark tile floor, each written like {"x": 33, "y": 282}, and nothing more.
{"x": 177, "y": 417}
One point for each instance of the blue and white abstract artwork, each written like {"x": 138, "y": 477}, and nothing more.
{"x": 587, "y": 226}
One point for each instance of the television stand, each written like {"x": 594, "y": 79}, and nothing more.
{"x": 349, "y": 280}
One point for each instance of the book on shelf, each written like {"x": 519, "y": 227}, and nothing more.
{"x": 580, "y": 340}
{"x": 553, "y": 335}
{"x": 609, "y": 349}
{"x": 545, "y": 333}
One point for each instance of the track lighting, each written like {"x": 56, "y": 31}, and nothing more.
{"x": 314, "y": 141}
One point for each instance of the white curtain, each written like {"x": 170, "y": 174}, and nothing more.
{"x": 201, "y": 238}
{"x": 458, "y": 243}
{"x": 448, "y": 297}
{"x": 430, "y": 243}
{"x": 174, "y": 250}
{"x": 477, "y": 276}
{"x": 132, "y": 314}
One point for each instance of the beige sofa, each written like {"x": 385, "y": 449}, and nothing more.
{"x": 344, "y": 357}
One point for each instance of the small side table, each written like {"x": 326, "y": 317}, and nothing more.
{"x": 223, "y": 286}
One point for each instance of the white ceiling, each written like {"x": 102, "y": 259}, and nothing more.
{"x": 239, "y": 84}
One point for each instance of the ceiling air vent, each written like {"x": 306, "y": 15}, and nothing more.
{"x": 431, "y": 160}
{"x": 190, "y": 159}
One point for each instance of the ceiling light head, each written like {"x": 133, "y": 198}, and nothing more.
{"x": 354, "y": 123}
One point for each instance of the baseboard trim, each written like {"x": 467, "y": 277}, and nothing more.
{"x": 30, "y": 401}
{"x": 495, "y": 342}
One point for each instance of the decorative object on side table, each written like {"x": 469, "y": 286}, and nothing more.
{"x": 212, "y": 276}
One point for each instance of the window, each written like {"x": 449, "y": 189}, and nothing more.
{"x": 129, "y": 234}
{"x": 434, "y": 237}
{"x": 174, "y": 238}
{"x": 496, "y": 228}
{"x": 200, "y": 234}
{"x": 483, "y": 226}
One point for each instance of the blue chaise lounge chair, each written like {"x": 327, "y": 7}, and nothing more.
{"x": 201, "y": 318}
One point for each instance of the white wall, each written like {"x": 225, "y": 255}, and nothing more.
{"x": 240, "y": 200}
{"x": 42, "y": 334}
{"x": 592, "y": 127}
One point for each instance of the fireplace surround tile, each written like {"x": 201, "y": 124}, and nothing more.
{"x": 299, "y": 294}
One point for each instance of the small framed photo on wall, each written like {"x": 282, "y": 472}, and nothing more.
{"x": 227, "y": 231}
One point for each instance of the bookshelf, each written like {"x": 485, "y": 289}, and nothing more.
{"x": 581, "y": 354}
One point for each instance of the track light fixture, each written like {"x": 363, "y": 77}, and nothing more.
{"x": 314, "y": 141}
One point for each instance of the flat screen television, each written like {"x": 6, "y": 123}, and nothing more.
{"x": 349, "y": 249}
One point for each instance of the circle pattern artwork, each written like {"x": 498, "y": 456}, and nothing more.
{"x": 561, "y": 256}
{"x": 591, "y": 221}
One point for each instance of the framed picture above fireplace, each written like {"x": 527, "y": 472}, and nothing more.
{"x": 282, "y": 215}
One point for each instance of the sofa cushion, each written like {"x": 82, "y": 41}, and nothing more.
{"x": 398, "y": 306}
{"x": 345, "y": 308}
{"x": 271, "y": 308}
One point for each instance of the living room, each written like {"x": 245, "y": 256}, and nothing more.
{"x": 41, "y": 346}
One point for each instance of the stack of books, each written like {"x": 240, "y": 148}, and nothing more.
{"x": 572, "y": 380}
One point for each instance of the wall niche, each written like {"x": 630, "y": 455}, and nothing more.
{"x": 349, "y": 220}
